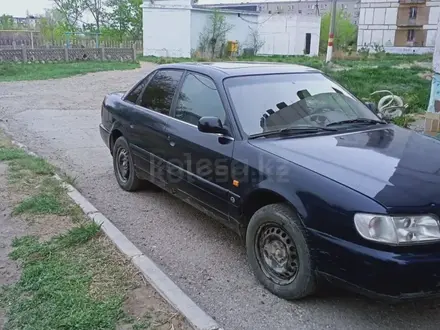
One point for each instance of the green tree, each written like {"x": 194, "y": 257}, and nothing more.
{"x": 136, "y": 18}
{"x": 7, "y": 22}
{"x": 345, "y": 31}
{"x": 124, "y": 19}
{"x": 51, "y": 25}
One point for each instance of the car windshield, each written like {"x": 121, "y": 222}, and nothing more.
{"x": 266, "y": 103}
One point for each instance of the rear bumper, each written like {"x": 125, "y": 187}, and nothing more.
{"x": 105, "y": 135}
{"x": 379, "y": 274}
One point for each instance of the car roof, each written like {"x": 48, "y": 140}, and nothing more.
{"x": 230, "y": 69}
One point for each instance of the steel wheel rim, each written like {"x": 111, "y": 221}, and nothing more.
{"x": 276, "y": 254}
{"x": 123, "y": 164}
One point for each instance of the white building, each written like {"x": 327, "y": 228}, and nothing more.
{"x": 172, "y": 28}
{"x": 400, "y": 26}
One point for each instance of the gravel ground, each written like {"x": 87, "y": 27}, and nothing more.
{"x": 59, "y": 120}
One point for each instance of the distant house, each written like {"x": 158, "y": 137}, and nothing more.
{"x": 400, "y": 26}
{"x": 27, "y": 23}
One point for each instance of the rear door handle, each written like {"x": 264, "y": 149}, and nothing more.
{"x": 172, "y": 143}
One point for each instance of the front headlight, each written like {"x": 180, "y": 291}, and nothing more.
{"x": 397, "y": 230}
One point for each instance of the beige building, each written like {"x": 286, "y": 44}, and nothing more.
{"x": 400, "y": 26}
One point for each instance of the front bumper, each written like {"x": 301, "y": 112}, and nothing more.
{"x": 375, "y": 273}
{"x": 105, "y": 135}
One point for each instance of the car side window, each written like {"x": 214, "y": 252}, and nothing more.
{"x": 199, "y": 97}
{"x": 133, "y": 96}
{"x": 160, "y": 91}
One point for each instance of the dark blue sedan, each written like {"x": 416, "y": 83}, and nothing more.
{"x": 313, "y": 180}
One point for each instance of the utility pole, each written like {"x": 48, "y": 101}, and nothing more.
{"x": 434, "y": 101}
{"x": 331, "y": 33}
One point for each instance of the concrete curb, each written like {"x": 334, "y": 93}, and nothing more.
{"x": 196, "y": 317}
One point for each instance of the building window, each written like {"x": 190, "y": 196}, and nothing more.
{"x": 300, "y": 11}
{"x": 412, "y": 12}
{"x": 411, "y": 35}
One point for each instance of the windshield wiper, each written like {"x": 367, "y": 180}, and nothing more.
{"x": 357, "y": 121}
{"x": 293, "y": 130}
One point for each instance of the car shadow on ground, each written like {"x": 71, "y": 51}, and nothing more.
{"x": 379, "y": 311}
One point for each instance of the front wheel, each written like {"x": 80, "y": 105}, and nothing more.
{"x": 124, "y": 167}
{"x": 278, "y": 252}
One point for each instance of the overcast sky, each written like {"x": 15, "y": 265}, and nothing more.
{"x": 19, "y": 7}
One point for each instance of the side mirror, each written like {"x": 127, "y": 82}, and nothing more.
{"x": 211, "y": 125}
{"x": 372, "y": 106}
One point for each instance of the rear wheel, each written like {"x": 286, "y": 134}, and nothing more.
{"x": 124, "y": 167}
{"x": 278, "y": 252}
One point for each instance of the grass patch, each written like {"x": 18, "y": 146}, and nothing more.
{"x": 41, "y": 71}
{"x": 8, "y": 153}
{"x": 33, "y": 164}
{"x": 54, "y": 291}
{"x": 402, "y": 82}
{"x": 41, "y": 204}
{"x": 318, "y": 62}
{"x": 34, "y": 177}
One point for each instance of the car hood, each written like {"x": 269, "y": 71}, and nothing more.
{"x": 395, "y": 166}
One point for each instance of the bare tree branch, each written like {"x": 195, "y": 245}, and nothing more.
{"x": 96, "y": 8}
{"x": 256, "y": 42}
{"x": 71, "y": 10}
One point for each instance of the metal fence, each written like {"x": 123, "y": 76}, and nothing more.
{"x": 67, "y": 54}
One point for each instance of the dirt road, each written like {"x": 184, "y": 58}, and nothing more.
{"x": 59, "y": 120}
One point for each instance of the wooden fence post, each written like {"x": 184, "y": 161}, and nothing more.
{"x": 102, "y": 54}
{"x": 133, "y": 48}
{"x": 24, "y": 54}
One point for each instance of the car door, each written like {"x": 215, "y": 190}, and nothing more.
{"x": 132, "y": 111}
{"x": 200, "y": 162}
{"x": 148, "y": 124}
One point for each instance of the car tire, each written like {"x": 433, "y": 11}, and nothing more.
{"x": 278, "y": 253}
{"x": 124, "y": 167}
